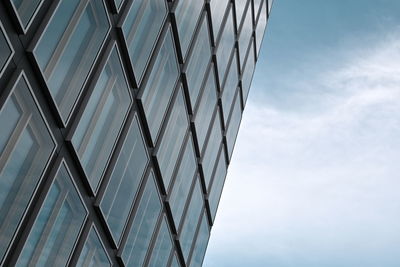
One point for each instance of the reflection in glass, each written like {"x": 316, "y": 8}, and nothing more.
{"x": 233, "y": 126}
{"x": 187, "y": 13}
{"x": 192, "y": 218}
{"x": 248, "y": 71}
{"x": 102, "y": 120}
{"x": 225, "y": 46}
{"x": 198, "y": 62}
{"x": 68, "y": 47}
{"x": 141, "y": 28}
{"x": 26, "y": 10}
{"x": 205, "y": 109}
{"x": 260, "y": 28}
{"x": 240, "y": 5}
{"x": 229, "y": 88}
{"x": 162, "y": 248}
{"x": 93, "y": 252}
{"x": 218, "y": 8}
{"x": 118, "y": 4}
{"x": 201, "y": 243}
{"x": 160, "y": 86}
{"x": 245, "y": 35}
{"x": 6, "y": 50}
{"x": 57, "y": 226}
{"x": 183, "y": 181}
{"x": 217, "y": 184}
{"x": 175, "y": 262}
{"x": 26, "y": 147}
{"x": 172, "y": 139}
{"x": 143, "y": 225}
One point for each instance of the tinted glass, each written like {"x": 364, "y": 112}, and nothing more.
{"x": 26, "y": 9}
{"x": 234, "y": 123}
{"x": 182, "y": 183}
{"x": 229, "y": 88}
{"x": 218, "y": 8}
{"x": 198, "y": 62}
{"x": 93, "y": 252}
{"x": 162, "y": 248}
{"x": 175, "y": 262}
{"x": 240, "y": 6}
{"x": 160, "y": 86}
{"x": 260, "y": 28}
{"x": 57, "y": 226}
{"x": 201, "y": 243}
{"x": 102, "y": 120}
{"x": 248, "y": 73}
{"x": 211, "y": 152}
{"x": 217, "y": 184}
{"x": 26, "y": 147}
{"x": 187, "y": 14}
{"x": 245, "y": 35}
{"x": 171, "y": 143}
{"x": 205, "y": 109}
{"x": 257, "y": 5}
{"x": 191, "y": 220}
{"x": 6, "y": 51}
{"x": 124, "y": 181}
{"x": 141, "y": 28}
{"x": 68, "y": 47}
{"x": 143, "y": 225}
{"x": 225, "y": 46}
{"x": 269, "y": 5}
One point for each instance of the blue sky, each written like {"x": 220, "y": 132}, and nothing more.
{"x": 320, "y": 186}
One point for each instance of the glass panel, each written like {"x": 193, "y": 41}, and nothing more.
{"x": 124, "y": 181}
{"x": 245, "y": 35}
{"x": 187, "y": 13}
{"x": 168, "y": 152}
{"x": 211, "y": 153}
{"x": 118, "y": 4}
{"x": 248, "y": 73}
{"x": 175, "y": 262}
{"x": 260, "y": 28}
{"x": 269, "y": 5}
{"x": 183, "y": 181}
{"x": 26, "y": 147}
{"x": 143, "y": 225}
{"x": 93, "y": 252}
{"x": 57, "y": 226}
{"x": 198, "y": 62}
{"x": 141, "y": 28}
{"x": 218, "y": 8}
{"x": 205, "y": 109}
{"x": 26, "y": 10}
{"x": 257, "y": 5}
{"x": 6, "y": 50}
{"x": 217, "y": 185}
{"x": 162, "y": 248}
{"x": 233, "y": 126}
{"x": 160, "y": 86}
{"x": 201, "y": 243}
{"x": 191, "y": 220}
{"x": 229, "y": 88}
{"x": 68, "y": 47}
{"x": 240, "y": 5}
{"x": 102, "y": 120}
{"x": 225, "y": 46}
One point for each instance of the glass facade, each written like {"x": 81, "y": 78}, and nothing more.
{"x": 119, "y": 119}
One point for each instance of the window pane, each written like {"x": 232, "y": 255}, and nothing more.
{"x": 245, "y": 35}
{"x": 102, "y": 120}
{"x": 162, "y": 248}
{"x": 68, "y": 48}
{"x": 124, "y": 181}
{"x": 175, "y": 262}
{"x": 141, "y": 28}
{"x": 201, "y": 243}
{"x": 187, "y": 13}
{"x": 233, "y": 126}
{"x": 257, "y": 4}
{"x": 240, "y": 6}
{"x": 26, "y": 147}
{"x": 229, "y": 88}
{"x": 25, "y": 10}
{"x": 6, "y": 50}
{"x": 93, "y": 252}
{"x": 118, "y": 4}
{"x": 205, "y": 109}
{"x": 160, "y": 86}
{"x": 260, "y": 29}
{"x": 248, "y": 73}
{"x": 183, "y": 181}
{"x": 217, "y": 185}
{"x": 198, "y": 62}
{"x": 269, "y": 5}
{"x": 192, "y": 217}
{"x": 143, "y": 225}
{"x": 218, "y": 8}
{"x": 168, "y": 151}
{"x": 57, "y": 226}
{"x": 213, "y": 144}
{"x": 225, "y": 46}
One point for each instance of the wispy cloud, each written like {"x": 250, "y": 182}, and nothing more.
{"x": 319, "y": 188}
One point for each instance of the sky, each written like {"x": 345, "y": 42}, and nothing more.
{"x": 314, "y": 178}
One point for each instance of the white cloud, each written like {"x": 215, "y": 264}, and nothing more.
{"x": 311, "y": 186}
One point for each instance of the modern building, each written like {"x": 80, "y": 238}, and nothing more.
{"x": 118, "y": 120}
